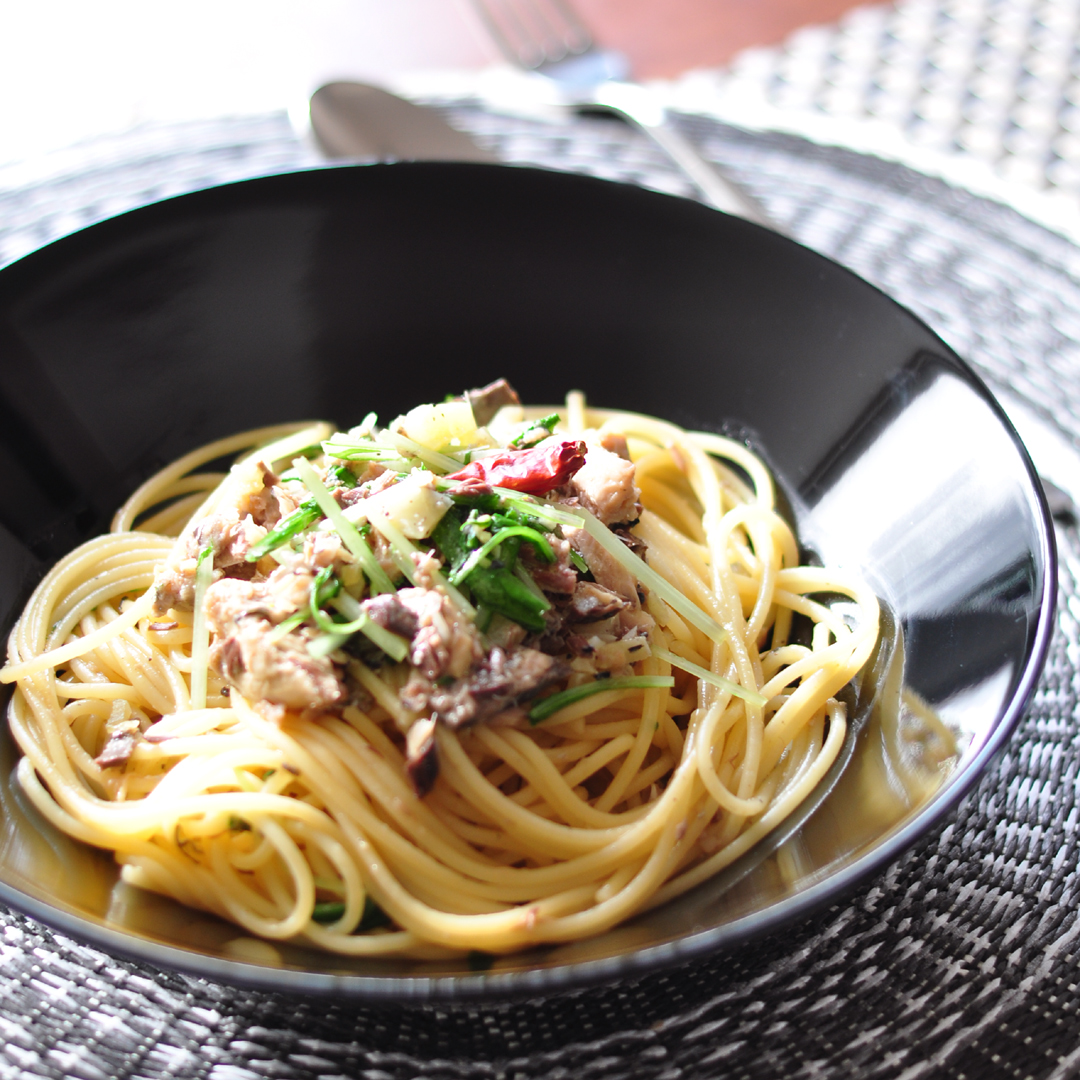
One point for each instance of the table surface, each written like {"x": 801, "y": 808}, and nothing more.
{"x": 962, "y": 958}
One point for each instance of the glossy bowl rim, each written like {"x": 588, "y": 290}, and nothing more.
{"x": 484, "y": 986}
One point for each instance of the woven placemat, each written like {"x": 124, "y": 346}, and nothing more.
{"x": 960, "y": 960}
{"x": 996, "y": 80}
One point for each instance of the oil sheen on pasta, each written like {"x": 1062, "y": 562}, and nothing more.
{"x": 483, "y": 678}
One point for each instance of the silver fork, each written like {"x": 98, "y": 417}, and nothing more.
{"x": 548, "y": 37}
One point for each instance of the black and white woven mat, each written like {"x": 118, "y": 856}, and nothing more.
{"x": 961, "y": 960}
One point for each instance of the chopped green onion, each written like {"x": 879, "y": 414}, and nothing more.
{"x": 484, "y": 615}
{"x": 401, "y": 551}
{"x": 343, "y": 475}
{"x": 751, "y": 696}
{"x": 350, "y": 537}
{"x": 487, "y": 502}
{"x": 321, "y": 591}
{"x": 580, "y": 564}
{"x": 366, "y": 426}
{"x": 394, "y": 645}
{"x": 286, "y": 626}
{"x": 508, "y": 521}
{"x": 305, "y": 515}
{"x": 497, "y": 588}
{"x": 583, "y": 519}
{"x": 545, "y": 424}
{"x": 344, "y": 448}
{"x": 200, "y": 630}
{"x": 526, "y": 579}
{"x": 543, "y": 549}
{"x": 551, "y": 705}
{"x": 328, "y": 911}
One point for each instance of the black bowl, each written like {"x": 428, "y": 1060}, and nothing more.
{"x": 331, "y": 293}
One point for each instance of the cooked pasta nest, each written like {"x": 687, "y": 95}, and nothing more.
{"x": 307, "y": 825}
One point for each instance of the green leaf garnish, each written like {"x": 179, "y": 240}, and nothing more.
{"x": 751, "y": 696}
{"x": 337, "y": 633}
{"x": 493, "y": 588}
{"x": 543, "y": 549}
{"x": 200, "y": 630}
{"x": 350, "y": 537}
{"x": 373, "y": 917}
{"x": 305, "y": 515}
{"x": 550, "y": 705}
{"x": 537, "y": 430}
{"x": 343, "y": 475}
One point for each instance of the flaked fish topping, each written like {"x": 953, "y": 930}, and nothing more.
{"x": 460, "y": 541}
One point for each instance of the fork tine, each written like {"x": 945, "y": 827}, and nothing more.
{"x": 575, "y": 34}
{"x": 514, "y": 38}
{"x": 532, "y": 33}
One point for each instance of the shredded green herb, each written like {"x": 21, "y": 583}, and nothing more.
{"x": 200, "y": 630}
{"x": 328, "y": 911}
{"x": 323, "y": 589}
{"x": 511, "y": 518}
{"x": 582, "y": 519}
{"x": 550, "y": 705}
{"x": 304, "y": 516}
{"x": 751, "y": 696}
{"x": 350, "y": 448}
{"x": 580, "y": 565}
{"x": 343, "y": 475}
{"x": 406, "y": 447}
{"x": 356, "y": 621}
{"x": 488, "y": 502}
{"x": 376, "y": 575}
{"x": 543, "y": 549}
{"x": 373, "y": 917}
{"x": 495, "y": 588}
{"x": 536, "y": 431}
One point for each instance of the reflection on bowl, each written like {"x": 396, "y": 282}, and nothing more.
{"x": 332, "y": 293}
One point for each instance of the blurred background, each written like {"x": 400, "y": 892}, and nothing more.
{"x": 985, "y": 93}
{"x": 70, "y": 70}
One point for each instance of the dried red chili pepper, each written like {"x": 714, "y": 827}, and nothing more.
{"x": 533, "y": 472}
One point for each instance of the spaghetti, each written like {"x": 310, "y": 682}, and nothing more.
{"x": 482, "y": 679}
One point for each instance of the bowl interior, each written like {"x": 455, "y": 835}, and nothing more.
{"x": 332, "y": 293}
